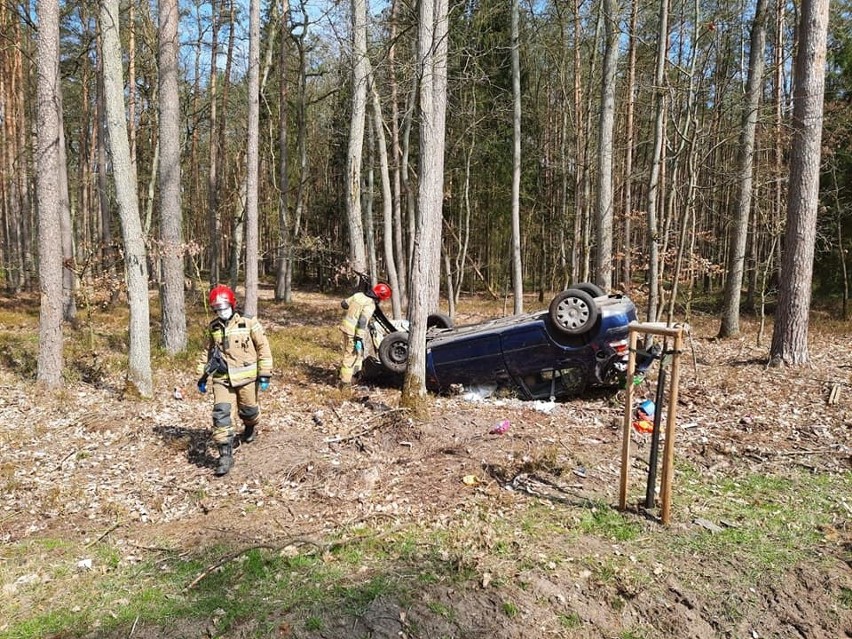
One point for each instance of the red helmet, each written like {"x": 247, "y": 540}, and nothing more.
{"x": 382, "y": 291}
{"x": 221, "y": 295}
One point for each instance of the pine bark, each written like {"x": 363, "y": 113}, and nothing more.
{"x": 790, "y": 334}
{"x": 517, "y": 267}
{"x": 214, "y": 216}
{"x": 171, "y": 217}
{"x": 252, "y": 160}
{"x": 48, "y": 194}
{"x": 357, "y": 248}
{"x": 139, "y": 381}
{"x": 284, "y": 266}
{"x": 657, "y": 163}
{"x": 630, "y": 136}
{"x": 606, "y": 125}
{"x": 425, "y": 271}
{"x": 745, "y": 168}
{"x": 387, "y": 199}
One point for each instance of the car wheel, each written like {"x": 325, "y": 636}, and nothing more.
{"x": 439, "y": 320}
{"x": 592, "y": 289}
{"x": 393, "y": 352}
{"x": 573, "y": 311}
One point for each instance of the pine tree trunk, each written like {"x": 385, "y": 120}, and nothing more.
{"x": 139, "y": 360}
{"x": 214, "y": 217}
{"x": 790, "y": 335}
{"x": 48, "y": 193}
{"x": 396, "y": 154}
{"x": 517, "y": 267}
{"x": 252, "y": 160}
{"x": 432, "y": 52}
{"x": 387, "y": 200}
{"x": 283, "y": 274}
{"x": 603, "y": 256}
{"x": 171, "y": 218}
{"x": 630, "y": 136}
{"x": 656, "y": 163}
{"x": 357, "y": 250}
{"x": 745, "y": 168}
{"x": 66, "y": 227}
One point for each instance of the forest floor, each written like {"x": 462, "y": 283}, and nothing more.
{"x": 518, "y": 533}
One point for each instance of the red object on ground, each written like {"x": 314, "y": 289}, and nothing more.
{"x": 500, "y": 428}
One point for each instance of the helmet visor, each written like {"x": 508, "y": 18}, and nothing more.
{"x": 220, "y": 303}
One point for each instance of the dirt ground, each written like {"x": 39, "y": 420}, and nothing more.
{"x": 325, "y": 461}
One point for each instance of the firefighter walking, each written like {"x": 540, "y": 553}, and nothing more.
{"x": 237, "y": 360}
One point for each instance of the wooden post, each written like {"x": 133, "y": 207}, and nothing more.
{"x": 668, "y": 449}
{"x": 628, "y": 410}
{"x": 676, "y": 332}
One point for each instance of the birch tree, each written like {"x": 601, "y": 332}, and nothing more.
{"x": 136, "y": 269}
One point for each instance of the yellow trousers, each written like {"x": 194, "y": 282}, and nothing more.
{"x": 352, "y": 360}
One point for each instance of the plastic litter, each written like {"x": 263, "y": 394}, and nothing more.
{"x": 643, "y": 420}
{"x": 479, "y": 392}
{"x": 543, "y": 406}
{"x": 500, "y": 427}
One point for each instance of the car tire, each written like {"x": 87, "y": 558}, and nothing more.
{"x": 573, "y": 312}
{"x": 393, "y": 351}
{"x": 439, "y": 320}
{"x": 592, "y": 289}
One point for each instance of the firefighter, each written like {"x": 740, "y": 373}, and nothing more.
{"x": 238, "y": 362}
{"x": 359, "y": 311}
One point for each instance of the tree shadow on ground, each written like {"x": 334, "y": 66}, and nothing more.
{"x": 196, "y": 441}
{"x": 374, "y": 374}
{"x": 319, "y": 374}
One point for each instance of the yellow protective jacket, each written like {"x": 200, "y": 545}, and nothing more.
{"x": 359, "y": 310}
{"x": 244, "y": 348}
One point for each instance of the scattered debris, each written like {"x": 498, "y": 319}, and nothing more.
{"x": 501, "y": 427}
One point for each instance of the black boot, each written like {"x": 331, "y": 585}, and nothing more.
{"x": 226, "y": 459}
{"x": 248, "y": 434}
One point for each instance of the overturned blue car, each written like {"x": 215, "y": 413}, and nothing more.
{"x": 579, "y": 343}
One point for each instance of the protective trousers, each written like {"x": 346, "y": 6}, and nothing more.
{"x": 230, "y": 403}
{"x": 352, "y": 360}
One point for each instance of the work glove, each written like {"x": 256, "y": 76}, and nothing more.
{"x": 202, "y": 386}
{"x": 263, "y": 383}
{"x": 359, "y": 345}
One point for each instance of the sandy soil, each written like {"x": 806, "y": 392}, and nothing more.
{"x": 325, "y": 461}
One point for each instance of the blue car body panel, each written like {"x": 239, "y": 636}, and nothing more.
{"x": 528, "y": 352}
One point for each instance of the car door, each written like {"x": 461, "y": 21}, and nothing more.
{"x": 474, "y": 358}
{"x": 540, "y": 366}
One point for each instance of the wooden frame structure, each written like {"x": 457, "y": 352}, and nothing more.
{"x": 677, "y": 334}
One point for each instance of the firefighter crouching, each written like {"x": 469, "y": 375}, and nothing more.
{"x": 359, "y": 310}
{"x": 237, "y": 361}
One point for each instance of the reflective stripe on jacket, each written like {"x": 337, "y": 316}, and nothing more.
{"x": 358, "y": 314}
{"x": 244, "y": 347}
